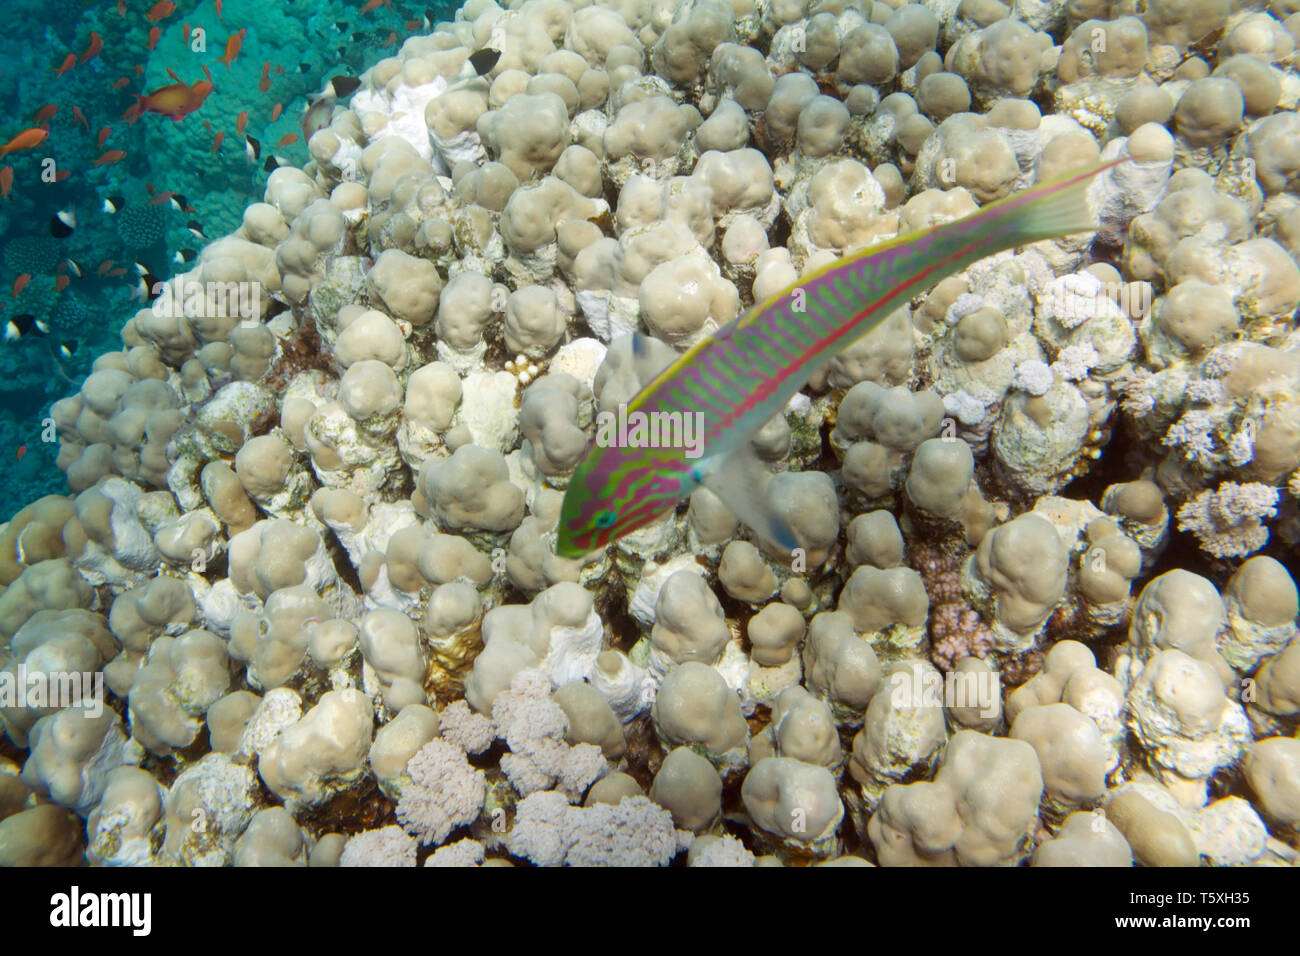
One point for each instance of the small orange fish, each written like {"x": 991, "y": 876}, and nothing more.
{"x": 276, "y": 110}
{"x": 161, "y": 198}
{"x": 21, "y": 283}
{"x": 216, "y": 140}
{"x": 233, "y": 45}
{"x": 120, "y": 82}
{"x": 119, "y": 271}
{"x": 121, "y": 8}
{"x": 375, "y": 5}
{"x": 109, "y": 158}
{"x": 61, "y": 282}
{"x": 412, "y": 24}
{"x": 93, "y": 47}
{"x": 160, "y": 10}
{"x": 264, "y": 83}
{"x": 45, "y": 112}
{"x": 6, "y": 181}
{"x": 22, "y": 450}
{"x": 288, "y": 139}
{"x": 139, "y": 70}
{"x": 392, "y": 38}
{"x": 68, "y": 63}
{"x": 27, "y": 139}
{"x": 176, "y": 100}
{"x": 218, "y": 9}
{"x": 104, "y": 267}
{"x": 241, "y": 121}
{"x": 103, "y": 135}
{"x": 155, "y": 34}
{"x": 80, "y": 117}
{"x": 61, "y": 174}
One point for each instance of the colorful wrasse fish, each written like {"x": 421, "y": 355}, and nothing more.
{"x": 748, "y": 370}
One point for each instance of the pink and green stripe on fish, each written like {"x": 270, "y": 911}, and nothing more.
{"x": 744, "y": 374}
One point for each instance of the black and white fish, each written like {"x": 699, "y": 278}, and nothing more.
{"x": 483, "y": 60}
{"x": 25, "y": 324}
{"x": 344, "y": 85}
{"x": 62, "y": 223}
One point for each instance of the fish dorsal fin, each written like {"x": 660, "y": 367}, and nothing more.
{"x": 739, "y": 479}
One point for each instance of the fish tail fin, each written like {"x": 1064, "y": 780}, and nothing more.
{"x": 1050, "y": 210}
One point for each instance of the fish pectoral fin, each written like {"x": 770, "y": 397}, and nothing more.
{"x": 740, "y": 479}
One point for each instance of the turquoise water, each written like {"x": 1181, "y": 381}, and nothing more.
{"x": 289, "y": 50}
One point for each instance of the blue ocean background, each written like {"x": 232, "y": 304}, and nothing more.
{"x": 290, "y": 49}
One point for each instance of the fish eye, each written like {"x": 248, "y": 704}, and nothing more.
{"x": 605, "y": 519}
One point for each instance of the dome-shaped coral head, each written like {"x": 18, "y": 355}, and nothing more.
{"x": 623, "y": 484}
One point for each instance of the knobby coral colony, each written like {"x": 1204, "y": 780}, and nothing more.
{"x": 317, "y": 578}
